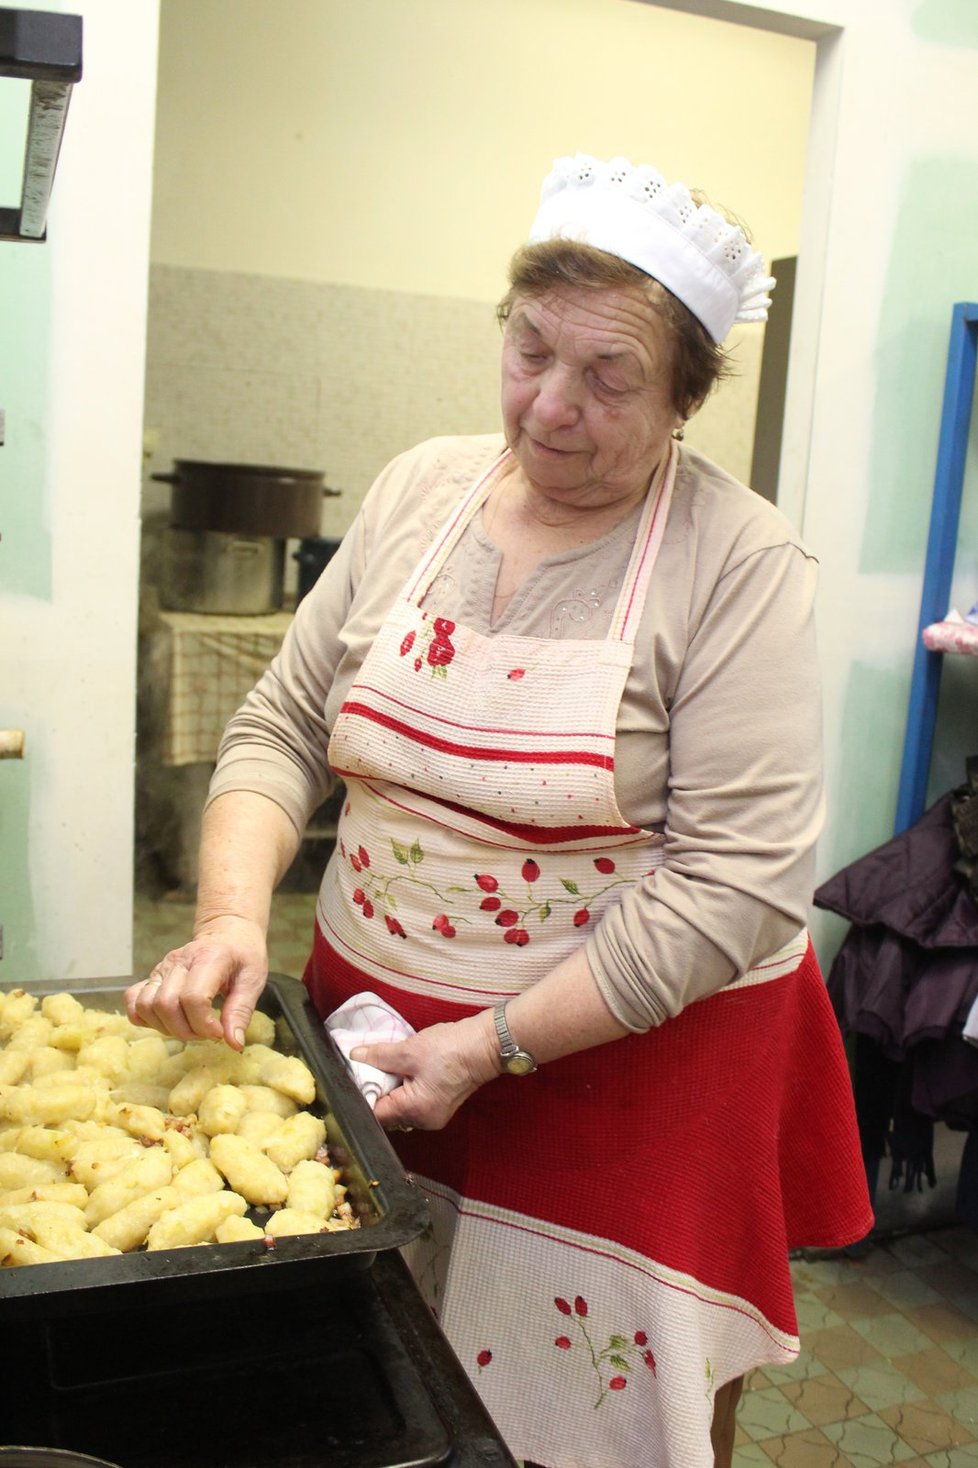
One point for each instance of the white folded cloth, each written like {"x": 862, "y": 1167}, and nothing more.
{"x": 366, "y": 1019}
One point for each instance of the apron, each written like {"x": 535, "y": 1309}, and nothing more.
{"x": 609, "y": 1239}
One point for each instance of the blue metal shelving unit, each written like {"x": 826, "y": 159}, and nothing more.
{"x": 959, "y": 387}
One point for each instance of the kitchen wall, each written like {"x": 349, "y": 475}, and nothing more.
{"x": 329, "y": 302}
{"x": 72, "y": 348}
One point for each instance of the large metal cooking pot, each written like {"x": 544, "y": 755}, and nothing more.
{"x": 218, "y": 572}
{"x": 48, "y": 1458}
{"x": 246, "y": 499}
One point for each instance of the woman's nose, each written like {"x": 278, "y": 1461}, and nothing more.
{"x": 556, "y": 403}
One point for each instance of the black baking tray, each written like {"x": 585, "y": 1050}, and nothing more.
{"x": 391, "y": 1208}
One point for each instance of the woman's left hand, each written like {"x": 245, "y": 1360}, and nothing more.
{"x": 441, "y": 1066}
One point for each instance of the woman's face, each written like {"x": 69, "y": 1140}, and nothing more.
{"x": 586, "y": 393}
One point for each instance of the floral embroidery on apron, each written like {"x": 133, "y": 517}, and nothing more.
{"x": 481, "y": 818}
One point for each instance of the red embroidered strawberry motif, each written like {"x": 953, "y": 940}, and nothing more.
{"x": 490, "y": 904}
{"x": 487, "y": 883}
{"x": 440, "y": 654}
{"x": 530, "y": 871}
{"x": 515, "y": 674}
{"x": 604, "y": 864}
{"x": 617, "y": 1356}
{"x": 393, "y": 926}
{"x": 483, "y": 1358}
{"x": 581, "y": 917}
{"x": 507, "y": 918}
{"x": 443, "y": 925}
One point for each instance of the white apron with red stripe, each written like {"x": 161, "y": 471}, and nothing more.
{"x": 596, "y": 1257}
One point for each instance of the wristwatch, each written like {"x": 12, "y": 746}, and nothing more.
{"x": 516, "y": 1062}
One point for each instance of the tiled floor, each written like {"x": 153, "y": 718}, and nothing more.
{"x": 888, "y": 1371}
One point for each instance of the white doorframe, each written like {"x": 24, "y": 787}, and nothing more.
{"x": 799, "y": 410}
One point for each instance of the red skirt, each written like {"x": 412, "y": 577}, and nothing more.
{"x": 705, "y": 1149}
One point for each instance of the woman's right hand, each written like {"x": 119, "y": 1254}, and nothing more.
{"x": 227, "y": 957}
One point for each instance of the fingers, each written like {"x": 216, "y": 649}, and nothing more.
{"x": 178, "y": 996}
{"x": 397, "y": 1057}
{"x": 176, "y": 1000}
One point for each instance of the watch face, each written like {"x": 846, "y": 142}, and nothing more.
{"x": 520, "y": 1064}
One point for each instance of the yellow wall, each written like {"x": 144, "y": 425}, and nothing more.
{"x": 400, "y": 145}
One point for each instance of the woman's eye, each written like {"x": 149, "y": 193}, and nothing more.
{"x": 610, "y": 389}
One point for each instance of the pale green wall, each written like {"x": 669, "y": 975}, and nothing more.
{"x": 25, "y": 541}
{"x": 72, "y": 353}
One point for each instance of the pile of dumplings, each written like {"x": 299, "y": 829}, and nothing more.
{"x": 114, "y": 1138}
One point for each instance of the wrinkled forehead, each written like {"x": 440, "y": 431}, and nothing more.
{"x": 609, "y": 322}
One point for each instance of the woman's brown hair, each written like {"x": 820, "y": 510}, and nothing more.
{"x": 698, "y": 362}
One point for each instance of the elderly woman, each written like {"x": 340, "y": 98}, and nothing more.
{"x": 567, "y": 676}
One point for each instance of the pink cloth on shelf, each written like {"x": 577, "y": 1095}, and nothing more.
{"x": 953, "y": 634}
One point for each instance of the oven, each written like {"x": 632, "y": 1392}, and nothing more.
{"x": 314, "y": 1351}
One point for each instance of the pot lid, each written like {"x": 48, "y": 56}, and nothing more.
{"x": 263, "y": 471}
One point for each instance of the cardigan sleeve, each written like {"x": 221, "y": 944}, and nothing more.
{"x": 743, "y": 803}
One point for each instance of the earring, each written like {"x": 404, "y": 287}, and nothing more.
{"x": 679, "y": 433}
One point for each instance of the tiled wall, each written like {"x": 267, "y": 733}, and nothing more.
{"x": 256, "y": 369}
{"x": 260, "y": 370}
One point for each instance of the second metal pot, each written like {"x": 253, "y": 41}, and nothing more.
{"x": 210, "y": 571}
{"x": 246, "y": 499}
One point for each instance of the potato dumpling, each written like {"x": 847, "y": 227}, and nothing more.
{"x": 128, "y": 1228}
{"x": 312, "y": 1189}
{"x": 220, "y": 1110}
{"x": 247, "y": 1169}
{"x": 153, "y": 1169}
{"x": 291, "y": 1221}
{"x": 195, "y": 1221}
{"x": 98, "y": 1157}
{"x": 51, "y": 1100}
{"x": 299, "y": 1137}
{"x": 199, "y": 1176}
{"x": 14, "y": 1065}
{"x": 18, "y": 1171}
{"x": 261, "y": 1029}
{"x": 50, "y": 1144}
{"x": 258, "y": 1126}
{"x": 263, "y": 1098}
{"x": 47, "y": 1193}
{"x": 291, "y": 1076}
{"x": 48, "y": 1059}
{"x": 62, "y": 1009}
{"x": 16, "y": 1249}
{"x": 191, "y": 1089}
{"x": 235, "y": 1230}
